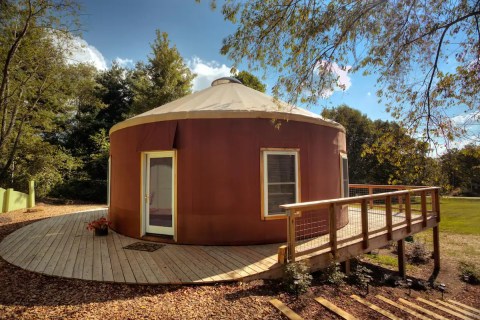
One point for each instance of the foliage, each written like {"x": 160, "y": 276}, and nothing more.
{"x": 418, "y": 253}
{"x": 333, "y": 275}
{"x": 360, "y": 276}
{"x": 462, "y": 168}
{"x": 251, "y": 81}
{"x": 164, "y": 78}
{"x": 36, "y": 88}
{"x": 424, "y": 54}
{"x": 382, "y": 152}
{"x": 297, "y": 279}
{"x": 101, "y": 223}
{"x": 469, "y": 272}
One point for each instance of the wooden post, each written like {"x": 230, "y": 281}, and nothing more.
{"x": 291, "y": 236}
{"x": 400, "y": 203}
{"x": 31, "y": 194}
{"x": 365, "y": 224}
{"x": 332, "y": 214}
{"x": 282, "y": 254}
{"x": 436, "y": 249}
{"x": 370, "y": 192}
{"x": 424, "y": 208}
{"x": 408, "y": 212}
{"x": 401, "y": 258}
{"x": 437, "y": 204}
{"x": 388, "y": 212}
{"x": 346, "y": 266}
{"x": 7, "y": 200}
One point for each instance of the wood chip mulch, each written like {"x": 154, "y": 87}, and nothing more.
{"x": 27, "y": 295}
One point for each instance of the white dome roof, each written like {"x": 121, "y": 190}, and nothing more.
{"x": 226, "y": 99}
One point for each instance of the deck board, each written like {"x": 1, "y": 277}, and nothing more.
{"x": 62, "y": 246}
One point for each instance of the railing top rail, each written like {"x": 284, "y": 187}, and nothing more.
{"x": 385, "y": 186}
{"x": 342, "y": 201}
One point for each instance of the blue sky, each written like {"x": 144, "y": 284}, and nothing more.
{"x": 123, "y": 30}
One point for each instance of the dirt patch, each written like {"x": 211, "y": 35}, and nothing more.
{"x": 26, "y": 295}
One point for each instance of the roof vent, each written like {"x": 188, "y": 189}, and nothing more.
{"x": 225, "y": 80}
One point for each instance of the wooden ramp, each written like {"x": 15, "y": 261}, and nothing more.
{"x": 61, "y": 246}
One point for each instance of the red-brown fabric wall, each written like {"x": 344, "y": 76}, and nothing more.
{"x": 218, "y": 175}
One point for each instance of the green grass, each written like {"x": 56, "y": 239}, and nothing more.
{"x": 460, "y": 216}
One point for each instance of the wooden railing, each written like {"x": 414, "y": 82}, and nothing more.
{"x": 368, "y": 215}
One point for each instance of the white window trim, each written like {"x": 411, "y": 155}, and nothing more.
{"x": 265, "y": 154}
{"x": 343, "y": 156}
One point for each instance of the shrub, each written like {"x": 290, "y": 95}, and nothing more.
{"x": 297, "y": 279}
{"x": 333, "y": 275}
{"x": 469, "y": 272}
{"x": 418, "y": 253}
{"x": 360, "y": 276}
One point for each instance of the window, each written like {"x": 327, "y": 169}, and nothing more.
{"x": 344, "y": 174}
{"x": 279, "y": 180}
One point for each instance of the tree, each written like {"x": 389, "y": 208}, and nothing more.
{"x": 34, "y": 82}
{"x": 164, "y": 78}
{"x": 359, "y": 134}
{"x": 462, "y": 168}
{"x": 425, "y": 54}
{"x": 382, "y": 152}
{"x": 251, "y": 81}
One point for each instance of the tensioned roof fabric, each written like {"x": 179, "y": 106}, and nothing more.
{"x": 226, "y": 99}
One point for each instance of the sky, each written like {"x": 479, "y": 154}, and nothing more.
{"x": 123, "y": 30}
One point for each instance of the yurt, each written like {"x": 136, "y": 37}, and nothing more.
{"x": 212, "y": 168}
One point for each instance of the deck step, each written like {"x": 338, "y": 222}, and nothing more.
{"x": 375, "y": 307}
{"x": 430, "y": 313}
{"x": 464, "y": 306}
{"x": 289, "y": 313}
{"x": 330, "y": 306}
{"x": 449, "y": 311}
{"x": 458, "y": 309}
{"x": 403, "y": 308}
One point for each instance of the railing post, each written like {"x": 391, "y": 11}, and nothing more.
{"x": 436, "y": 204}
{"x": 291, "y": 236}
{"x": 400, "y": 204}
{"x": 332, "y": 212}
{"x": 365, "y": 224}
{"x": 370, "y": 192}
{"x": 388, "y": 212}
{"x": 424, "y": 208}
{"x": 408, "y": 212}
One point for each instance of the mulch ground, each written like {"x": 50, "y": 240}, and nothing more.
{"x": 27, "y": 295}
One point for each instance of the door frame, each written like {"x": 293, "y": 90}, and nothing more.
{"x": 144, "y": 179}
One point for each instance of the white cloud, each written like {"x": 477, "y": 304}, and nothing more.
{"x": 343, "y": 81}
{"x": 369, "y": 93}
{"x": 206, "y": 71}
{"x": 80, "y": 51}
{"x": 123, "y": 62}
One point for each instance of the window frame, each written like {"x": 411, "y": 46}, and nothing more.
{"x": 343, "y": 156}
{"x": 264, "y": 152}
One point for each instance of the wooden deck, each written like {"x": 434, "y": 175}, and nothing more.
{"x": 61, "y": 246}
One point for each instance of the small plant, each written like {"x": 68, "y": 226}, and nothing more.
{"x": 101, "y": 223}
{"x": 469, "y": 272}
{"x": 361, "y": 276}
{"x": 333, "y": 275}
{"x": 419, "y": 254}
{"x": 297, "y": 279}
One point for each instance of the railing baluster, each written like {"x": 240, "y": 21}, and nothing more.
{"x": 437, "y": 204}
{"x": 424, "y": 208}
{"x": 388, "y": 212}
{"x": 291, "y": 236}
{"x": 408, "y": 212}
{"x": 370, "y": 192}
{"x": 332, "y": 211}
{"x": 365, "y": 224}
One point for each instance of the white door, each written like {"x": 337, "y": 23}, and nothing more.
{"x": 159, "y": 189}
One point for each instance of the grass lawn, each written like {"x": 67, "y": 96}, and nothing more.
{"x": 461, "y": 216}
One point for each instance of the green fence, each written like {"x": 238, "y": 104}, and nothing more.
{"x": 11, "y": 200}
